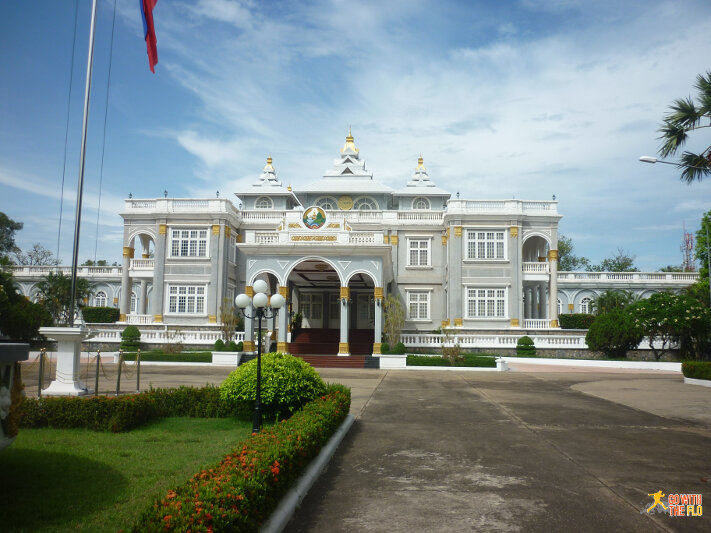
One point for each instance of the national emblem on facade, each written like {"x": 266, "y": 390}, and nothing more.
{"x": 314, "y": 217}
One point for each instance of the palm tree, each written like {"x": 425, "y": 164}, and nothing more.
{"x": 684, "y": 117}
{"x": 612, "y": 299}
{"x": 54, "y": 294}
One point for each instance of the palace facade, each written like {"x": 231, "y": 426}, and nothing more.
{"x": 336, "y": 248}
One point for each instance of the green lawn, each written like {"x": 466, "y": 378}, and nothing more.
{"x": 73, "y": 479}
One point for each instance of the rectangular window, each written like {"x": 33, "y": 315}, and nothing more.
{"x": 418, "y": 252}
{"x": 483, "y": 245}
{"x": 310, "y": 306}
{"x": 486, "y": 303}
{"x": 188, "y": 243}
{"x": 186, "y": 299}
{"x": 418, "y": 305}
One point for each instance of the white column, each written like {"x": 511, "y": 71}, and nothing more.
{"x": 378, "y": 326}
{"x": 248, "y": 344}
{"x": 343, "y": 348}
{"x": 144, "y": 297}
{"x": 125, "y": 304}
{"x": 282, "y": 345}
{"x": 553, "y": 289}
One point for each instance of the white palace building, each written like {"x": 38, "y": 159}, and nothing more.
{"x": 336, "y": 247}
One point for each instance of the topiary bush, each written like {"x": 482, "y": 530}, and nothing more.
{"x": 219, "y": 345}
{"x": 385, "y": 348}
{"x": 100, "y": 315}
{"x": 130, "y": 338}
{"x": 525, "y": 346}
{"x": 614, "y": 334}
{"x": 287, "y": 384}
{"x": 234, "y": 347}
{"x": 398, "y": 349}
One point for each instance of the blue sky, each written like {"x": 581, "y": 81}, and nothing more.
{"x": 522, "y": 99}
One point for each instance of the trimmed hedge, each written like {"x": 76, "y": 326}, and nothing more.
{"x": 130, "y": 337}
{"x": 525, "y": 346}
{"x": 466, "y": 360}
{"x": 576, "y": 321}
{"x": 122, "y": 413}
{"x": 159, "y": 355}
{"x": 240, "y": 492}
{"x": 100, "y": 315}
{"x": 426, "y": 360}
{"x": 696, "y": 369}
{"x": 232, "y": 346}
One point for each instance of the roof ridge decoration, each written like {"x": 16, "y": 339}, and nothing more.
{"x": 420, "y": 178}
{"x": 349, "y": 164}
{"x": 268, "y": 178}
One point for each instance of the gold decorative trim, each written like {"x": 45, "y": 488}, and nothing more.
{"x": 115, "y": 301}
{"x": 514, "y": 231}
{"x": 378, "y": 292}
{"x": 212, "y": 319}
{"x": 393, "y": 240}
{"x": 457, "y": 231}
{"x": 228, "y": 231}
{"x": 294, "y": 225}
{"x": 158, "y": 318}
{"x": 571, "y": 307}
{"x": 282, "y": 347}
{"x": 444, "y": 240}
{"x": 284, "y": 291}
{"x": 145, "y": 256}
{"x": 515, "y": 323}
{"x": 448, "y": 232}
{"x": 238, "y": 237}
{"x": 386, "y": 239}
{"x": 552, "y": 255}
{"x": 345, "y": 292}
{"x": 458, "y": 323}
{"x": 248, "y": 346}
{"x": 445, "y": 323}
{"x": 122, "y": 318}
{"x": 554, "y": 323}
{"x": 249, "y": 291}
{"x": 376, "y": 348}
{"x": 345, "y": 203}
{"x": 343, "y": 348}
{"x": 162, "y": 229}
{"x": 313, "y": 238}
{"x": 128, "y": 252}
{"x": 215, "y": 229}
{"x": 334, "y": 225}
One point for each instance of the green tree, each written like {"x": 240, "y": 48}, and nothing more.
{"x": 612, "y": 299}
{"x": 20, "y": 319}
{"x": 54, "y": 294}
{"x": 8, "y": 227}
{"x": 567, "y": 260}
{"x": 686, "y": 116}
{"x": 38, "y": 255}
{"x": 672, "y": 268}
{"x": 701, "y": 250}
{"x": 621, "y": 262}
{"x": 394, "y": 320}
{"x": 614, "y": 334}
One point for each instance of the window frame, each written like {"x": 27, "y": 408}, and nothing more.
{"x": 199, "y": 239}
{"x": 586, "y": 305}
{"x": 496, "y": 302}
{"x": 200, "y": 293}
{"x": 424, "y": 200}
{"x": 486, "y": 244}
{"x": 266, "y": 199}
{"x": 99, "y": 296}
{"x": 332, "y": 202}
{"x": 428, "y": 250}
{"x": 361, "y": 200}
{"x": 420, "y": 292}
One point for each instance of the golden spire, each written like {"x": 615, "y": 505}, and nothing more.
{"x": 269, "y": 159}
{"x": 349, "y": 143}
{"x": 420, "y": 164}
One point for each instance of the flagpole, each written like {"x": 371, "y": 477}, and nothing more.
{"x": 82, "y": 157}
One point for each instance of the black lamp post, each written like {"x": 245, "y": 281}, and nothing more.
{"x": 262, "y": 305}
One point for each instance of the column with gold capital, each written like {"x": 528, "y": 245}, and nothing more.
{"x": 345, "y": 299}
{"x": 248, "y": 344}
{"x": 125, "y": 304}
{"x": 378, "y": 326}
{"x": 553, "y": 288}
{"x": 282, "y": 345}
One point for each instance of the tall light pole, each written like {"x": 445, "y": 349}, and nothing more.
{"x": 261, "y": 305}
{"x": 650, "y": 159}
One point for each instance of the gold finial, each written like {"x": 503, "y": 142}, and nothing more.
{"x": 349, "y": 142}
{"x": 269, "y": 159}
{"x": 420, "y": 163}
{"x": 349, "y": 137}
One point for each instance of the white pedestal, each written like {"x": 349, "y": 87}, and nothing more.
{"x": 66, "y": 382}
{"x": 226, "y": 358}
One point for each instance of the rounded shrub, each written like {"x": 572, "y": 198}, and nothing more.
{"x": 287, "y": 384}
{"x": 219, "y": 345}
{"x": 614, "y": 334}
{"x": 399, "y": 349}
{"x": 130, "y": 338}
{"x": 525, "y": 346}
{"x": 385, "y": 348}
{"x": 233, "y": 347}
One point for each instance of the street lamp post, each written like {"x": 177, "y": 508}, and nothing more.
{"x": 650, "y": 159}
{"x": 261, "y": 305}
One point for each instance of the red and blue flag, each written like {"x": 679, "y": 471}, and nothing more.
{"x": 149, "y": 31}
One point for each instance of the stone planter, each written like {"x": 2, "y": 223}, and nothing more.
{"x": 10, "y": 356}
{"x": 226, "y": 358}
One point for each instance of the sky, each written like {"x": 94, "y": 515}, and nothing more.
{"x": 512, "y": 99}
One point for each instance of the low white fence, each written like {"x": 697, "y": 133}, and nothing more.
{"x": 164, "y": 336}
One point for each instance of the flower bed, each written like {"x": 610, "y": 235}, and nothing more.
{"x": 696, "y": 369}
{"x": 240, "y": 492}
{"x": 122, "y": 413}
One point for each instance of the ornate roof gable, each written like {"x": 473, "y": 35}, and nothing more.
{"x": 350, "y": 163}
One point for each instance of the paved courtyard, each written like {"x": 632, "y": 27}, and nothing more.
{"x": 535, "y": 449}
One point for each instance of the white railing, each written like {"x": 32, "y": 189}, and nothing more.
{"x": 473, "y": 340}
{"x": 182, "y": 205}
{"x": 535, "y": 267}
{"x": 502, "y": 206}
{"x": 420, "y": 216}
{"x": 266, "y": 238}
{"x": 164, "y": 336}
{"x": 359, "y": 217}
{"x": 633, "y": 277}
{"x": 361, "y": 238}
{"x": 82, "y": 271}
{"x": 139, "y": 319}
{"x": 536, "y": 323}
{"x": 265, "y": 215}
{"x": 142, "y": 264}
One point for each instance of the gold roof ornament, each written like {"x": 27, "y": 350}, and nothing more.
{"x": 269, "y": 159}
{"x": 420, "y": 164}
{"x": 349, "y": 143}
